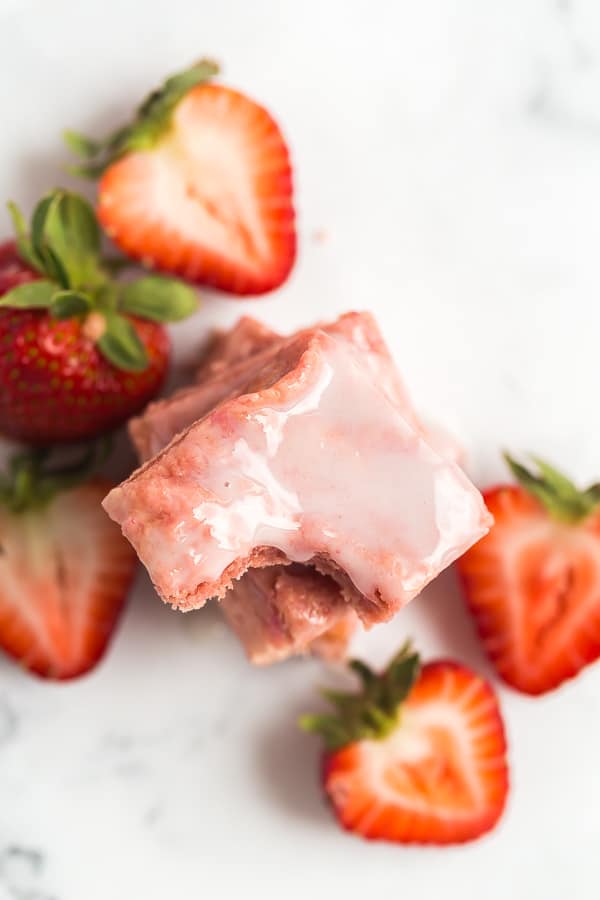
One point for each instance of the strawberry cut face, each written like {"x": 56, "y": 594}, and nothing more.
{"x": 211, "y": 200}
{"x": 439, "y": 777}
{"x": 533, "y": 585}
{"x": 64, "y": 575}
{"x": 424, "y": 763}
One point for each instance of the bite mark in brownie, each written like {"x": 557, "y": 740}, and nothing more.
{"x": 284, "y": 610}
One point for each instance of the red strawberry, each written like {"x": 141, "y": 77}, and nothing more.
{"x": 56, "y": 385}
{"x": 12, "y": 269}
{"x": 533, "y": 583}
{"x": 416, "y": 757}
{"x": 199, "y": 185}
{"x": 64, "y": 572}
{"x": 80, "y": 353}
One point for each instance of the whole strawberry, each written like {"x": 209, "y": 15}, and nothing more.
{"x": 81, "y": 353}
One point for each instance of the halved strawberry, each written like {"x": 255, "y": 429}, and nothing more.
{"x": 65, "y": 570}
{"x": 533, "y": 583}
{"x": 417, "y": 757}
{"x": 200, "y": 185}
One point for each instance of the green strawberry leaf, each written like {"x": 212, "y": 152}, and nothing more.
{"x": 556, "y": 481}
{"x": 24, "y": 245}
{"x": 333, "y": 731}
{"x": 71, "y": 232}
{"x": 152, "y": 119}
{"x": 121, "y": 345}
{"x": 90, "y": 171}
{"x": 18, "y": 219}
{"x": 154, "y": 114}
{"x": 38, "y": 220}
{"x": 65, "y": 246}
{"x": 593, "y": 493}
{"x": 80, "y": 145}
{"x": 116, "y": 264}
{"x": 106, "y": 297}
{"x": 364, "y": 672}
{"x": 33, "y": 295}
{"x": 53, "y": 267}
{"x": 558, "y": 494}
{"x": 66, "y": 304}
{"x": 65, "y": 240}
{"x": 372, "y": 713}
{"x": 34, "y": 478}
{"x": 159, "y": 299}
{"x": 27, "y": 254}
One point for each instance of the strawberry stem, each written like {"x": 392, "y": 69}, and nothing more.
{"x": 152, "y": 118}
{"x": 33, "y": 479}
{"x": 372, "y": 713}
{"x": 557, "y": 493}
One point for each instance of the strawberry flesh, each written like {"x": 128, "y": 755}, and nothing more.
{"x": 64, "y": 575}
{"x": 211, "y": 200}
{"x": 417, "y": 756}
{"x": 533, "y": 586}
{"x": 440, "y": 777}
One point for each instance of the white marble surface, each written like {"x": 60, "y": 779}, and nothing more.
{"x": 448, "y": 174}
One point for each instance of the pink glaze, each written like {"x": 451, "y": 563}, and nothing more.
{"x": 318, "y": 462}
{"x": 245, "y": 350}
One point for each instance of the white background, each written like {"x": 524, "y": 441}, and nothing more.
{"x": 447, "y": 155}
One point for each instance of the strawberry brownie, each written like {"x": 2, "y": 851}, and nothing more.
{"x": 315, "y": 458}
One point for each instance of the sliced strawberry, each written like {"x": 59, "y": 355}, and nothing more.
{"x": 65, "y": 570}
{"x": 201, "y": 185}
{"x": 415, "y": 758}
{"x": 533, "y": 583}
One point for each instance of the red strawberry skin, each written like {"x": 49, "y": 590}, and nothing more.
{"x": 13, "y": 271}
{"x": 440, "y": 778}
{"x": 64, "y": 575}
{"x": 212, "y": 200}
{"x": 56, "y": 386}
{"x": 533, "y": 587}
